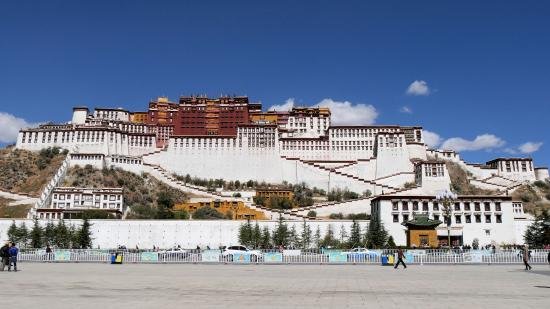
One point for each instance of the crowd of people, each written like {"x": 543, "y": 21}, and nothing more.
{"x": 8, "y": 254}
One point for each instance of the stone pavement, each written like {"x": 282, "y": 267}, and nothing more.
{"x": 101, "y": 286}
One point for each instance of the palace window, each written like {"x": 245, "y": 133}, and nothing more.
{"x": 466, "y": 206}
{"x": 458, "y": 219}
{"x": 468, "y": 218}
{"x": 498, "y": 218}
{"x": 457, "y": 206}
{"x": 487, "y": 206}
{"x": 487, "y": 218}
{"x": 396, "y": 218}
{"x": 478, "y": 218}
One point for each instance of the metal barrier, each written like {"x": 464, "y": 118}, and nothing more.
{"x": 309, "y": 256}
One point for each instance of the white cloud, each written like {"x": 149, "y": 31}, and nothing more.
{"x": 432, "y": 139}
{"x": 406, "y": 110}
{"x": 511, "y": 151}
{"x": 342, "y": 112}
{"x": 481, "y": 142}
{"x": 347, "y": 113}
{"x": 283, "y": 107}
{"x": 529, "y": 147}
{"x": 10, "y": 125}
{"x": 418, "y": 87}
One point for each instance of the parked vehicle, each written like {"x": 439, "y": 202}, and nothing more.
{"x": 361, "y": 254}
{"x": 174, "y": 254}
{"x": 229, "y": 253}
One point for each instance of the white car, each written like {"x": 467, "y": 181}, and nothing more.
{"x": 361, "y": 254}
{"x": 229, "y": 252}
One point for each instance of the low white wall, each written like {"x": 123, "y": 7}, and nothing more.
{"x": 187, "y": 233}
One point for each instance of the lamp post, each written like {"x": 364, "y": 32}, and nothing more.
{"x": 446, "y": 199}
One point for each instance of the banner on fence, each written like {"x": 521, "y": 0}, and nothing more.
{"x": 62, "y": 255}
{"x": 210, "y": 256}
{"x": 273, "y": 257}
{"x": 337, "y": 257}
{"x": 473, "y": 257}
{"x": 409, "y": 258}
{"x": 149, "y": 257}
{"x": 241, "y": 258}
{"x": 292, "y": 252}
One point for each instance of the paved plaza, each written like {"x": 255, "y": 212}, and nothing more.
{"x": 104, "y": 286}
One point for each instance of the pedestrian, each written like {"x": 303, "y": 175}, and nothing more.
{"x": 400, "y": 256}
{"x": 526, "y": 256}
{"x": 49, "y": 255}
{"x": 13, "y": 257}
{"x": 548, "y": 257}
{"x": 4, "y": 256}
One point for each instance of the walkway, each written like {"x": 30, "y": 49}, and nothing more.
{"x": 275, "y": 286}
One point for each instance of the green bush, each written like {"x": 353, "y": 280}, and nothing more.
{"x": 541, "y": 184}
{"x": 336, "y": 216}
{"x": 207, "y": 213}
{"x": 358, "y": 216}
{"x": 312, "y": 214}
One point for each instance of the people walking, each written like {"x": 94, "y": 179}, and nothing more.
{"x": 400, "y": 256}
{"x": 4, "y": 256}
{"x": 14, "y": 251}
{"x": 526, "y": 257}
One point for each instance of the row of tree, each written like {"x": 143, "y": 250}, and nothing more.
{"x": 253, "y": 236}
{"x": 60, "y": 235}
{"x": 537, "y": 234}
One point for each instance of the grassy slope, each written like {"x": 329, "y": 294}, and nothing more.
{"x": 535, "y": 197}
{"x": 18, "y": 211}
{"x": 20, "y": 170}
{"x": 138, "y": 189}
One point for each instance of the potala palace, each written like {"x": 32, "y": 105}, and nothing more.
{"x": 233, "y": 139}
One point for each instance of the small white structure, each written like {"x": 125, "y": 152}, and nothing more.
{"x": 68, "y": 201}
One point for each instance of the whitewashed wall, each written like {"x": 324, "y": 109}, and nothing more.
{"x": 167, "y": 233}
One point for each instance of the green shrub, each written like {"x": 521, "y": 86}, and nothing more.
{"x": 312, "y": 214}
{"x": 336, "y": 216}
{"x": 207, "y": 213}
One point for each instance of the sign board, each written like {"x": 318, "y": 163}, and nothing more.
{"x": 337, "y": 257}
{"x": 241, "y": 258}
{"x": 62, "y": 255}
{"x": 210, "y": 256}
{"x": 273, "y": 257}
{"x": 149, "y": 257}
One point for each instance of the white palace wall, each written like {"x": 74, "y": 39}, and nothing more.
{"x": 186, "y": 233}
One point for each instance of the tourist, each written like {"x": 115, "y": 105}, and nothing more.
{"x": 526, "y": 257}
{"x": 13, "y": 257}
{"x": 400, "y": 256}
{"x": 49, "y": 255}
{"x": 4, "y": 256}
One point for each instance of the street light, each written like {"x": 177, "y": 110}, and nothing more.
{"x": 446, "y": 198}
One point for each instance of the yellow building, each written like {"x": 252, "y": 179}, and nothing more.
{"x": 138, "y": 117}
{"x": 238, "y": 209}
{"x": 421, "y": 232}
{"x": 267, "y": 193}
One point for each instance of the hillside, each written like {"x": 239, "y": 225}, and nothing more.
{"x": 460, "y": 183}
{"x": 141, "y": 192}
{"x": 28, "y": 172}
{"x": 17, "y": 211}
{"x": 535, "y": 197}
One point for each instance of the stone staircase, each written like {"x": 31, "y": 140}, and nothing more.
{"x": 44, "y": 198}
{"x": 350, "y": 176}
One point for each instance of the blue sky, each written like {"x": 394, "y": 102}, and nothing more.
{"x": 482, "y": 70}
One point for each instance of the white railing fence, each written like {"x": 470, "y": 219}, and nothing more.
{"x": 421, "y": 257}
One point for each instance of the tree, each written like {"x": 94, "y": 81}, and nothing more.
{"x": 84, "y": 235}
{"x": 343, "y": 236}
{"x": 475, "y": 244}
{"x": 49, "y": 233}
{"x": 12, "y": 231}
{"x": 391, "y": 243}
{"x": 207, "y": 213}
{"x": 317, "y": 237}
{"x": 329, "y": 241}
{"x": 280, "y": 235}
{"x": 293, "y": 239}
{"x": 22, "y": 235}
{"x": 62, "y": 235}
{"x": 256, "y": 236}
{"x": 537, "y": 234}
{"x": 306, "y": 236}
{"x": 181, "y": 214}
{"x": 265, "y": 242}
{"x": 165, "y": 203}
{"x": 312, "y": 214}
{"x": 36, "y": 235}
{"x": 245, "y": 234}
{"x": 355, "y": 235}
{"x": 376, "y": 236}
